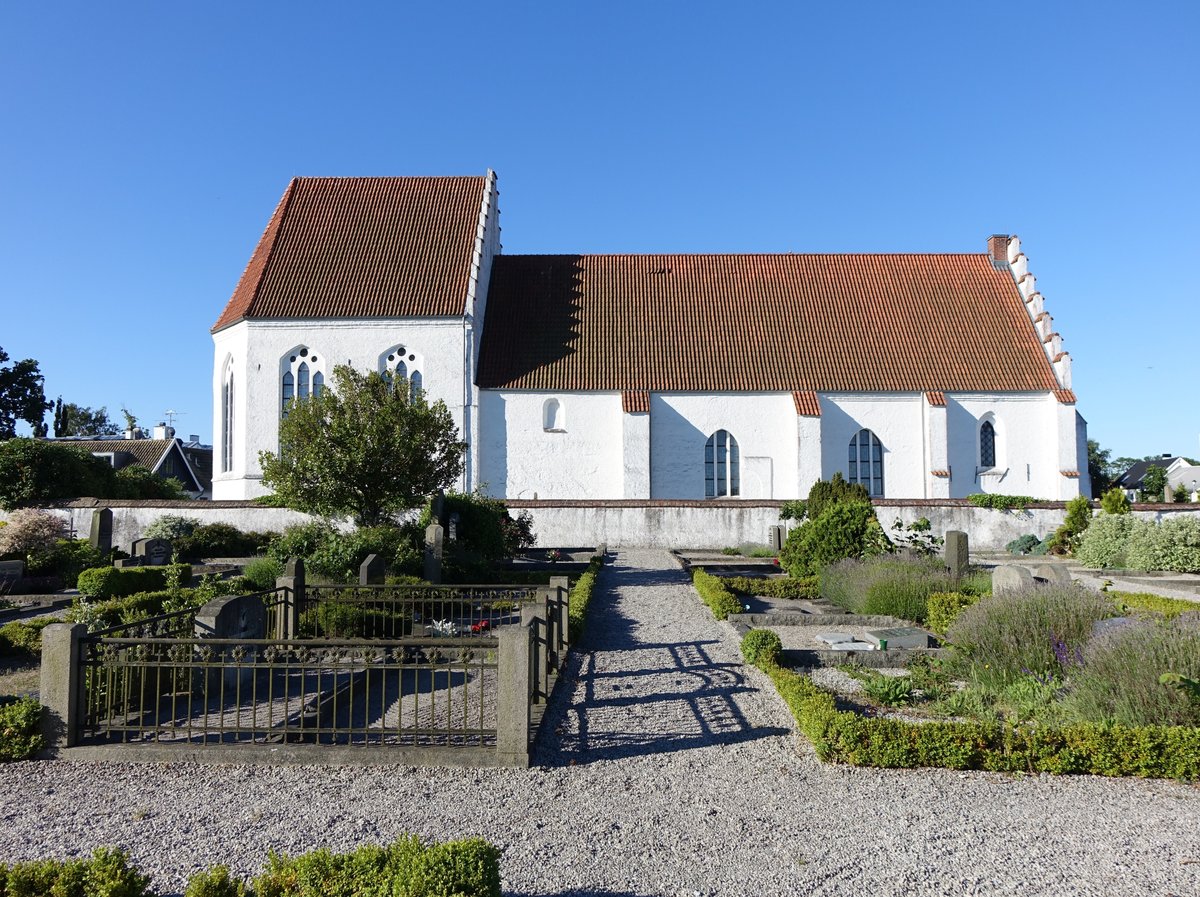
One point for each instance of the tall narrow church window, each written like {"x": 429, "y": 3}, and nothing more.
{"x": 227, "y": 424}
{"x": 289, "y": 391}
{"x": 987, "y": 445}
{"x": 318, "y": 383}
{"x": 414, "y": 385}
{"x": 302, "y": 385}
{"x": 866, "y": 462}
{"x": 721, "y": 465}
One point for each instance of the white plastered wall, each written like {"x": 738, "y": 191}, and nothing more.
{"x": 897, "y": 420}
{"x": 1032, "y": 449}
{"x": 257, "y": 348}
{"x": 763, "y": 423}
{"x": 581, "y": 458}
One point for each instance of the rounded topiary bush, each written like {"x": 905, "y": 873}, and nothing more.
{"x": 761, "y": 646}
{"x": 1106, "y": 542}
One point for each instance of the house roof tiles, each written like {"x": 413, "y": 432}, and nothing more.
{"x": 363, "y": 247}
{"x": 855, "y": 323}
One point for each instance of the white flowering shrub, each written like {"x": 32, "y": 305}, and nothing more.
{"x": 1174, "y": 546}
{"x": 1106, "y": 542}
{"x": 31, "y": 532}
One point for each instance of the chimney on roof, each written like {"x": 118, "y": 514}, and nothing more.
{"x": 162, "y": 431}
{"x": 194, "y": 437}
{"x": 998, "y": 250}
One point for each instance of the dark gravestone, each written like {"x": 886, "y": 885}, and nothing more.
{"x": 152, "y": 552}
{"x": 958, "y": 553}
{"x": 433, "y": 553}
{"x": 102, "y": 530}
{"x": 371, "y": 572}
{"x": 11, "y": 572}
{"x": 231, "y": 617}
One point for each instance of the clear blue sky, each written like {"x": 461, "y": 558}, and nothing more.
{"x": 144, "y": 146}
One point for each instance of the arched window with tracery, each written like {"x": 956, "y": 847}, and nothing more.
{"x": 301, "y": 377}
{"x": 866, "y": 462}
{"x": 722, "y": 474}
{"x": 402, "y": 363}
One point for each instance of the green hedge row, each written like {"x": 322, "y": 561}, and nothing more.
{"x": 1168, "y": 607}
{"x": 845, "y": 737}
{"x": 20, "y": 731}
{"x": 111, "y": 582}
{"x": 779, "y": 587}
{"x": 22, "y": 639}
{"x": 713, "y": 592}
{"x": 581, "y": 593}
{"x": 407, "y": 868}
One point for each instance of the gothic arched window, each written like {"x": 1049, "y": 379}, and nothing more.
{"x": 866, "y": 462}
{"x": 987, "y": 445}
{"x": 227, "y": 423}
{"x": 721, "y": 465}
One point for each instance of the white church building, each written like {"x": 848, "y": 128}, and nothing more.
{"x": 649, "y": 376}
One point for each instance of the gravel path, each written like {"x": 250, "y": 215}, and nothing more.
{"x": 673, "y": 772}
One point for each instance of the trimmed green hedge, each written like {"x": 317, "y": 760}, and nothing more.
{"x": 406, "y": 868}
{"x": 110, "y": 582}
{"x": 1091, "y": 749}
{"x": 713, "y": 592}
{"x": 581, "y": 593}
{"x": 22, "y": 639}
{"x": 20, "y": 730}
{"x": 778, "y": 587}
{"x": 1159, "y": 604}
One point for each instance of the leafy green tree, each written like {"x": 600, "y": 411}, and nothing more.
{"x": 22, "y": 395}
{"x": 1100, "y": 468}
{"x": 363, "y": 448}
{"x": 1153, "y": 484}
{"x": 78, "y": 420}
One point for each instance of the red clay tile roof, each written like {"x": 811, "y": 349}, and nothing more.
{"x": 634, "y": 402}
{"x": 1069, "y": 473}
{"x": 858, "y": 323}
{"x": 937, "y": 399}
{"x": 1065, "y": 396}
{"x": 807, "y": 403}
{"x": 363, "y": 247}
{"x": 940, "y": 473}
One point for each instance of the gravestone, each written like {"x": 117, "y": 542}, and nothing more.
{"x": 231, "y": 617}
{"x": 128, "y": 563}
{"x": 899, "y": 637}
{"x": 371, "y": 572}
{"x": 1010, "y": 578}
{"x": 852, "y": 646}
{"x": 11, "y": 572}
{"x": 152, "y": 552}
{"x": 835, "y": 638}
{"x": 102, "y": 531}
{"x": 1054, "y": 574}
{"x": 775, "y": 537}
{"x": 433, "y": 553}
{"x": 958, "y": 553}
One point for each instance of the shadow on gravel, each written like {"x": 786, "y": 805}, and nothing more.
{"x": 578, "y": 892}
{"x": 629, "y": 697}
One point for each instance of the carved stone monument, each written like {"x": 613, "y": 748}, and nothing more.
{"x": 958, "y": 553}
{"x": 372, "y": 571}
{"x": 433, "y": 553}
{"x": 102, "y": 530}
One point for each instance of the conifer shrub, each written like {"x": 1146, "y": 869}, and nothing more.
{"x": 844, "y": 530}
{"x": 1066, "y": 537}
{"x": 1115, "y": 501}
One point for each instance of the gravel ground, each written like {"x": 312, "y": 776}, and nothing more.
{"x": 674, "y": 771}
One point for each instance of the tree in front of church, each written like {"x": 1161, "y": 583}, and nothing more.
{"x": 364, "y": 447}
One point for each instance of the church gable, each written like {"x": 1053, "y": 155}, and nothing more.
{"x": 364, "y": 247}
{"x": 738, "y": 323}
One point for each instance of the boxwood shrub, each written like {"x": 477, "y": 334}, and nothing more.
{"x": 713, "y": 592}
{"x": 581, "y": 594}
{"x": 774, "y": 587}
{"x": 111, "y": 582}
{"x": 1090, "y": 749}
{"x": 22, "y": 639}
{"x": 20, "y": 730}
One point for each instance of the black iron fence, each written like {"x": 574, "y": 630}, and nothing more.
{"x": 413, "y": 666}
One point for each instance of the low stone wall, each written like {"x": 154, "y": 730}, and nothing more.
{"x": 627, "y": 523}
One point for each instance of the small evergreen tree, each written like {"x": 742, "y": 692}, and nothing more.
{"x": 1115, "y": 501}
